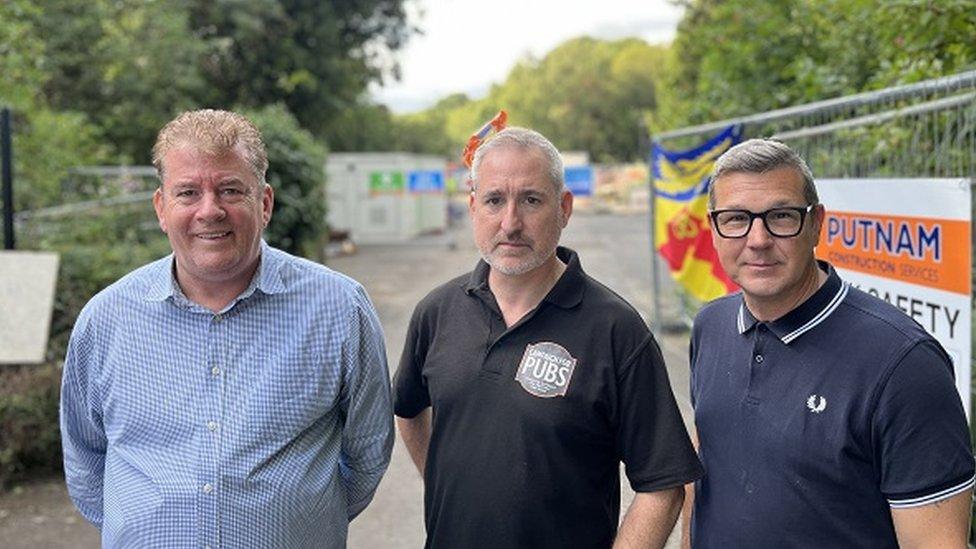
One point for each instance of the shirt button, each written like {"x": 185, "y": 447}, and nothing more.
{"x": 207, "y": 488}
{"x": 212, "y": 425}
{"x": 217, "y": 318}
{"x": 215, "y": 371}
{"x": 759, "y": 359}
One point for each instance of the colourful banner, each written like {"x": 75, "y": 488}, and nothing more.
{"x": 681, "y": 230}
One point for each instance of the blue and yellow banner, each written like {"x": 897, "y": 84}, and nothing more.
{"x": 681, "y": 214}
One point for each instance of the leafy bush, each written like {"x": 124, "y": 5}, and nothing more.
{"x": 30, "y": 440}
{"x": 296, "y": 171}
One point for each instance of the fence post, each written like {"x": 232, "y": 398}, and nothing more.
{"x": 656, "y": 327}
{"x": 7, "y": 179}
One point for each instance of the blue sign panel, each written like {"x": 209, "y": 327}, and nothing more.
{"x": 579, "y": 180}
{"x": 426, "y": 182}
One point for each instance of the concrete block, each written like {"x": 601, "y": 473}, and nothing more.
{"x": 27, "y": 284}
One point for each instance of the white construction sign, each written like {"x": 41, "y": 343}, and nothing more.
{"x": 909, "y": 242}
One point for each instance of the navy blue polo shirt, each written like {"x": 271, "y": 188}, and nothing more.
{"x": 812, "y": 427}
{"x": 531, "y": 421}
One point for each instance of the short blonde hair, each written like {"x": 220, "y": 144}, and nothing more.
{"x": 213, "y": 132}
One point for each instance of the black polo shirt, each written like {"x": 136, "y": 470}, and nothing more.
{"x": 531, "y": 422}
{"x": 814, "y": 426}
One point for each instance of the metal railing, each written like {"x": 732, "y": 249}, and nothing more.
{"x": 925, "y": 129}
{"x": 120, "y": 194}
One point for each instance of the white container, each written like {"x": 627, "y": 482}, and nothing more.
{"x": 383, "y": 198}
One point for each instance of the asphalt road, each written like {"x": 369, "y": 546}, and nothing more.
{"x": 615, "y": 249}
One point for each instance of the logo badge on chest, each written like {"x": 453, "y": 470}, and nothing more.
{"x": 545, "y": 370}
{"x": 817, "y": 404}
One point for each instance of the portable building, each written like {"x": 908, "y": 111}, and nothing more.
{"x": 385, "y": 197}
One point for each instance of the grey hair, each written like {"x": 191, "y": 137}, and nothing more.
{"x": 761, "y": 156}
{"x": 522, "y": 138}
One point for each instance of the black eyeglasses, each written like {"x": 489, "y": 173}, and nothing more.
{"x": 780, "y": 222}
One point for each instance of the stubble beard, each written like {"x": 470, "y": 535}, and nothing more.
{"x": 533, "y": 261}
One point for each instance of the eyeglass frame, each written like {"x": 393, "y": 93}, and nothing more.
{"x": 803, "y": 211}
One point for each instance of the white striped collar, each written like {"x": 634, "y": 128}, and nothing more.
{"x": 805, "y": 317}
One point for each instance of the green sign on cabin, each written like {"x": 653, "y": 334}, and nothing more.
{"x": 386, "y": 182}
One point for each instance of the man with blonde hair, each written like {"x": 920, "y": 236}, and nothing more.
{"x": 229, "y": 394}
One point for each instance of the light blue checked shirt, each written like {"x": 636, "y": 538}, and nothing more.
{"x": 265, "y": 425}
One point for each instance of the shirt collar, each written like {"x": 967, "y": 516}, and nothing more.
{"x": 804, "y": 318}
{"x": 566, "y": 293}
{"x": 267, "y": 278}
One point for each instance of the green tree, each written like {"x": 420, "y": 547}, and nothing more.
{"x": 427, "y": 131}
{"x": 129, "y": 65}
{"x": 363, "y": 127}
{"x": 924, "y": 39}
{"x": 314, "y": 57}
{"x": 586, "y": 94}
{"x": 21, "y": 54}
{"x": 735, "y": 57}
{"x": 46, "y": 142}
{"x": 463, "y": 120}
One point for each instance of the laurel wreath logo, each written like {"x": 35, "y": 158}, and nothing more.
{"x": 815, "y": 405}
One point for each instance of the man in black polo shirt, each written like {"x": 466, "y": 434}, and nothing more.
{"x": 825, "y": 417}
{"x": 525, "y": 383}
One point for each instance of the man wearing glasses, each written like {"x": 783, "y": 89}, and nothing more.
{"x": 825, "y": 417}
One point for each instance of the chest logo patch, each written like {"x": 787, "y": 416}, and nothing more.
{"x": 545, "y": 369}
{"x": 816, "y": 404}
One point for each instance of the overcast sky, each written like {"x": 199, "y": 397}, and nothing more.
{"x": 467, "y": 45}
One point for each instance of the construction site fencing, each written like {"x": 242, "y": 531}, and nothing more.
{"x": 923, "y": 130}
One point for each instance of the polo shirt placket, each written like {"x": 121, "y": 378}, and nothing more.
{"x": 757, "y": 366}
{"x": 495, "y": 361}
